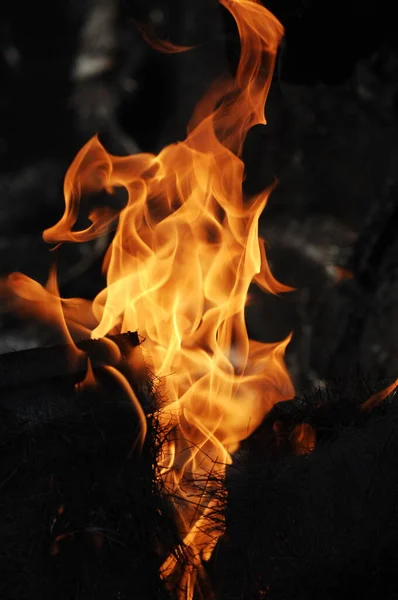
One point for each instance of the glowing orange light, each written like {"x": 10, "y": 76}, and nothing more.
{"x": 185, "y": 251}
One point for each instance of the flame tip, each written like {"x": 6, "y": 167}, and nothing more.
{"x": 183, "y": 256}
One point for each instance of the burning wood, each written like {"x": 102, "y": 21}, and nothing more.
{"x": 81, "y": 515}
{"x": 27, "y": 367}
{"x": 39, "y": 385}
{"x": 185, "y": 251}
{"x": 318, "y": 525}
{"x": 75, "y": 487}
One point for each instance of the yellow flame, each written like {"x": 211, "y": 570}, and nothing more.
{"x": 185, "y": 252}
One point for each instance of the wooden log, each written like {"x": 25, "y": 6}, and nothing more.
{"x": 80, "y": 513}
{"x": 314, "y": 526}
{"x": 26, "y": 367}
{"x": 39, "y": 385}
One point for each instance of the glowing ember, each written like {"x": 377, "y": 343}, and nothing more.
{"x": 303, "y": 438}
{"x": 185, "y": 252}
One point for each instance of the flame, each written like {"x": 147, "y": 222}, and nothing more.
{"x": 185, "y": 251}
{"x": 303, "y": 438}
{"x": 164, "y": 46}
{"x": 378, "y": 397}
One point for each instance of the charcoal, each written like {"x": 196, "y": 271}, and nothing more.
{"x": 315, "y": 525}
{"x": 81, "y": 513}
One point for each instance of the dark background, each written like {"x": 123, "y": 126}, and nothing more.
{"x": 71, "y": 69}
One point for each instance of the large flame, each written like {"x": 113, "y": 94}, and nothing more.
{"x": 185, "y": 252}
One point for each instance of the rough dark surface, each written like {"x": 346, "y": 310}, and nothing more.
{"x": 80, "y": 514}
{"x": 318, "y": 525}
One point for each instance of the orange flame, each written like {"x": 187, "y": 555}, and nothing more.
{"x": 342, "y": 274}
{"x": 164, "y": 46}
{"x": 303, "y": 438}
{"x": 378, "y": 397}
{"x": 185, "y": 252}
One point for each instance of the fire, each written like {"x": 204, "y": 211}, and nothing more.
{"x": 303, "y": 438}
{"x": 378, "y": 397}
{"x": 185, "y": 251}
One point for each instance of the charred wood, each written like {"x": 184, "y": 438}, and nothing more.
{"x": 82, "y": 515}
{"x": 27, "y": 367}
{"x": 39, "y": 385}
{"x": 321, "y": 525}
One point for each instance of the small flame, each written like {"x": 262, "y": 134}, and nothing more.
{"x": 185, "y": 251}
{"x": 378, "y": 397}
{"x": 303, "y": 438}
{"x": 342, "y": 274}
{"x": 164, "y": 46}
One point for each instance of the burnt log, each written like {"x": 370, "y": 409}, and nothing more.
{"x": 317, "y": 525}
{"x": 39, "y": 384}
{"x": 81, "y": 514}
{"x": 38, "y": 364}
